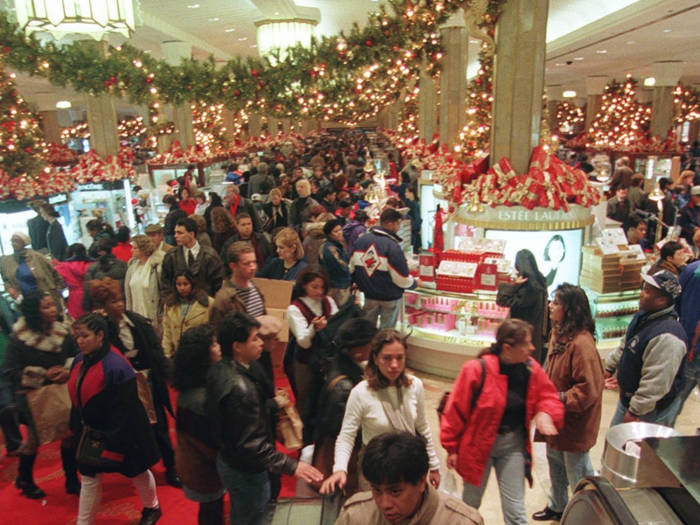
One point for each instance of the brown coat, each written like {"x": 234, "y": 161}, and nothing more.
{"x": 437, "y": 509}
{"x": 577, "y": 373}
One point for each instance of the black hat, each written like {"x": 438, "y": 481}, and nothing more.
{"x": 355, "y": 332}
{"x": 331, "y": 225}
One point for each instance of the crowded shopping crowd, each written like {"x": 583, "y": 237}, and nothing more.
{"x": 168, "y": 327}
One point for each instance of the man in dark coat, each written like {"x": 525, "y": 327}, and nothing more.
{"x": 38, "y": 226}
{"x": 203, "y": 261}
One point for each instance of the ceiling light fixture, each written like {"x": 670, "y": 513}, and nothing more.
{"x": 602, "y": 51}
{"x": 649, "y": 82}
{"x": 243, "y": 39}
{"x": 193, "y": 6}
{"x": 93, "y": 18}
{"x": 560, "y": 64}
{"x": 63, "y": 104}
{"x": 578, "y": 58}
{"x": 569, "y": 94}
{"x": 230, "y": 30}
{"x": 667, "y": 30}
{"x": 214, "y": 19}
{"x": 630, "y": 42}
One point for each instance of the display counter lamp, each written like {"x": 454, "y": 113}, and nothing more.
{"x": 94, "y": 18}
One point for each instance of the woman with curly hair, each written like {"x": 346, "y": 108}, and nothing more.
{"x": 134, "y": 336}
{"x": 388, "y": 399}
{"x": 39, "y": 352}
{"x": 195, "y": 456}
{"x": 575, "y": 369}
{"x": 223, "y": 227}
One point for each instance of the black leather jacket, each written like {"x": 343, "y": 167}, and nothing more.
{"x": 241, "y": 422}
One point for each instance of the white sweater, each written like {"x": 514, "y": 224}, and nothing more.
{"x": 364, "y": 410}
{"x": 302, "y": 330}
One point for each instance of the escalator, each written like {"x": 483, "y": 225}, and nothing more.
{"x": 667, "y": 490}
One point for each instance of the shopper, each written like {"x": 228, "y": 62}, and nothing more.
{"x": 487, "y": 418}
{"x": 300, "y": 210}
{"x": 235, "y": 204}
{"x": 195, "y": 455}
{"x": 352, "y": 230}
{"x": 106, "y": 265}
{"x": 134, "y": 336}
{"x": 38, "y": 353}
{"x": 413, "y": 205}
{"x": 290, "y": 258}
{"x": 527, "y": 299}
{"x": 73, "y": 271}
{"x": 575, "y": 369}
{"x": 344, "y": 371}
{"x": 99, "y": 231}
{"x": 174, "y": 215}
{"x": 396, "y": 466}
{"x": 258, "y": 240}
{"x": 688, "y": 308}
{"x": 185, "y": 200}
{"x": 55, "y": 238}
{"x": 203, "y": 237}
{"x": 37, "y": 227}
{"x": 650, "y": 363}
{"x": 122, "y": 248}
{"x": 155, "y": 233}
{"x": 389, "y": 399}
{"x": 142, "y": 281}
{"x": 103, "y": 390}
{"x": 214, "y": 202}
{"x": 277, "y": 211}
{"x": 335, "y": 261}
{"x": 307, "y": 316}
{"x": 379, "y": 268}
{"x": 241, "y": 423}
{"x": 202, "y": 261}
{"x": 26, "y": 270}
{"x": 672, "y": 257}
{"x": 186, "y": 308}
{"x": 201, "y": 198}
{"x": 223, "y": 226}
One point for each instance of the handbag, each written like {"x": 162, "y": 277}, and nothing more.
{"x": 47, "y": 412}
{"x": 92, "y": 442}
{"x": 145, "y": 395}
{"x": 290, "y": 428}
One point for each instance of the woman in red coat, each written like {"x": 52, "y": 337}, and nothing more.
{"x": 488, "y": 415}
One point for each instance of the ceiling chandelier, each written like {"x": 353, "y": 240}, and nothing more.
{"x": 94, "y": 18}
{"x": 282, "y": 34}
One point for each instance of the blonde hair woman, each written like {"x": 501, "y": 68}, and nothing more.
{"x": 290, "y": 258}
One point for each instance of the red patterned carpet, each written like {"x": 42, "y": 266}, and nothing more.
{"x": 120, "y": 503}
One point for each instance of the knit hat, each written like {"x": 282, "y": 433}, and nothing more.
{"x": 25, "y": 238}
{"x": 355, "y": 332}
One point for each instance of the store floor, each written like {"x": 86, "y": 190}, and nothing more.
{"x": 536, "y": 497}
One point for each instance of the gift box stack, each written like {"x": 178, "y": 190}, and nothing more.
{"x": 468, "y": 271}
{"x": 549, "y": 183}
{"x": 610, "y": 273}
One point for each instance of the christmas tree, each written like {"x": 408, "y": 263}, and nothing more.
{"x": 209, "y": 129}
{"x": 21, "y": 138}
{"x": 475, "y": 137}
{"x": 621, "y": 120}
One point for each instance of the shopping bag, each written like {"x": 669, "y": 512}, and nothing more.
{"x": 448, "y": 484}
{"x": 290, "y": 429}
{"x": 47, "y": 412}
{"x": 145, "y": 395}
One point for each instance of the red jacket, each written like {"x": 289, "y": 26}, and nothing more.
{"x": 73, "y": 273}
{"x": 471, "y": 434}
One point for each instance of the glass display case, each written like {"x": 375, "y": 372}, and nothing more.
{"x": 447, "y": 328}
{"x": 612, "y": 313}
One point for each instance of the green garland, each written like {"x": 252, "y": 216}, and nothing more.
{"x": 344, "y": 78}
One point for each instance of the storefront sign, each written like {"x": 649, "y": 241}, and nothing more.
{"x": 101, "y": 186}
{"x": 522, "y": 219}
{"x": 58, "y": 199}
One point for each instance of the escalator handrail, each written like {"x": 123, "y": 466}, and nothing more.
{"x": 617, "y": 508}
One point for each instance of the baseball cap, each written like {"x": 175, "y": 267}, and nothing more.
{"x": 664, "y": 281}
{"x": 154, "y": 228}
{"x": 695, "y": 190}
{"x": 256, "y": 197}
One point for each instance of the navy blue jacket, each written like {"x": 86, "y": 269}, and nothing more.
{"x": 379, "y": 267}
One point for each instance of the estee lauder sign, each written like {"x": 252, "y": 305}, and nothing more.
{"x": 520, "y": 218}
